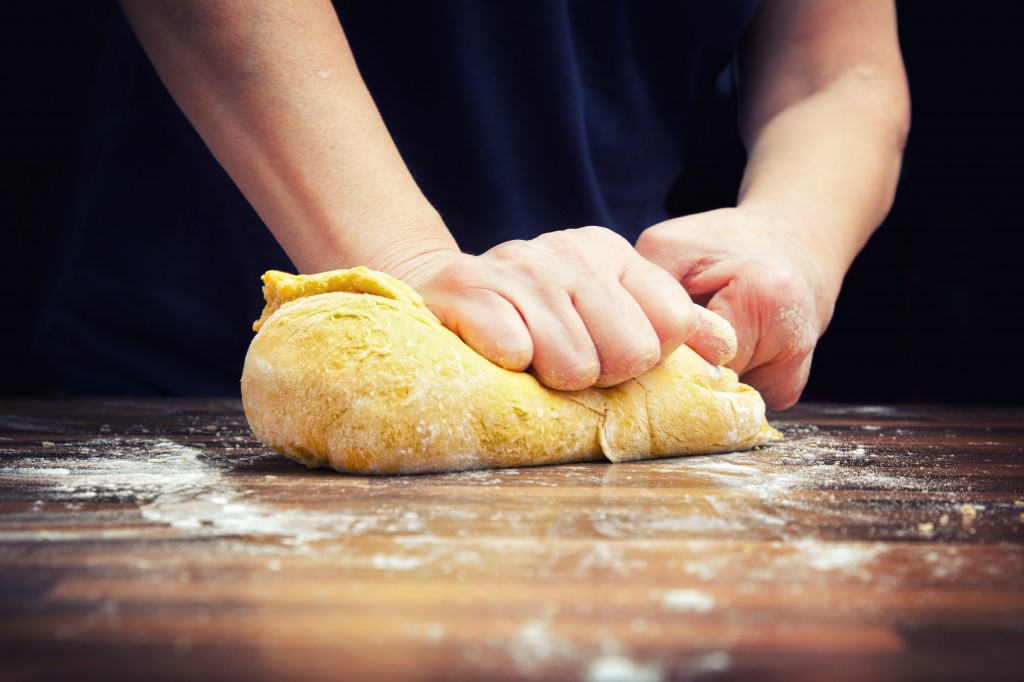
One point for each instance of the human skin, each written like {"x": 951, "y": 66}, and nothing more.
{"x": 275, "y": 93}
{"x": 824, "y": 115}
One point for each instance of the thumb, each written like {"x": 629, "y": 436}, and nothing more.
{"x": 730, "y": 311}
{"x": 715, "y": 339}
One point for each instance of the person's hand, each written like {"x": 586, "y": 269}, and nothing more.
{"x": 762, "y": 280}
{"x": 581, "y": 307}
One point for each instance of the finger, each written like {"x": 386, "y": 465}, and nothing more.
{"x": 790, "y": 336}
{"x": 722, "y": 305}
{"x": 623, "y": 337}
{"x": 715, "y": 340}
{"x": 564, "y": 355}
{"x": 490, "y": 325}
{"x": 780, "y": 365}
{"x": 772, "y": 319}
{"x": 780, "y": 383}
{"x": 663, "y": 302}
{"x": 774, "y": 354}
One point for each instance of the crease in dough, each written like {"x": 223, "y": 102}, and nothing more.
{"x": 350, "y": 370}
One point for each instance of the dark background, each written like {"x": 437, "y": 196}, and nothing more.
{"x": 931, "y": 311}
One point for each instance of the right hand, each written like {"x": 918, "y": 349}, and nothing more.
{"x": 581, "y": 307}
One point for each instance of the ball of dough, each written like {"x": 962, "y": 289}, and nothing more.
{"x": 350, "y": 370}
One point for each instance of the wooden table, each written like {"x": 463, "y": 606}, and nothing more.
{"x": 158, "y": 540}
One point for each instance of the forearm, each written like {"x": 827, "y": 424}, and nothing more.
{"x": 274, "y": 91}
{"x": 825, "y": 170}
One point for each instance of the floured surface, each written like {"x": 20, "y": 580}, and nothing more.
{"x": 158, "y": 536}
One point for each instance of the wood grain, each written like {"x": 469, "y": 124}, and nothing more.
{"x": 158, "y": 540}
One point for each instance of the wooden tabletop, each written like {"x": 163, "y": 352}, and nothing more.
{"x": 158, "y": 540}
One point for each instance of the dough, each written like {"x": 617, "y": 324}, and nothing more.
{"x": 350, "y": 370}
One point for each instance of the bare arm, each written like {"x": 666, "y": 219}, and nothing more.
{"x": 274, "y": 91}
{"x": 824, "y": 116}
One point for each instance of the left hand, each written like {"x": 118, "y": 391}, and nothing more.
{"x": 759, "y": 277}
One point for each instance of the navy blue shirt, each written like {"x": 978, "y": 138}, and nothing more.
{"x": 515, "y": 118}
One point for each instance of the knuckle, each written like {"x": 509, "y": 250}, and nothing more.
{"x": 596, "y": 232}
{"x": 651, "y": 240}
{"x": 557, "y": 240}
{"x": 627, "y": 357}
{"x": 569, "y": 375}
{"x": 680, "y": 320}
{"x": 462, "y": 276}
{"x": 520, "y": 258}
{"x": 586, "y": 240}
{"x": 670, "y": 311}
{"x": 514, "y": 248}
{"x": 779, "y": 283}
{"x": 777, "y": 276}
{"x": 508, "y": 350}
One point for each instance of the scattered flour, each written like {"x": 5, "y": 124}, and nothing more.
{"x": 753, "y": 494}
{"x": 714, "y": 662}
{"x": 687, "y": 600}
{"x": 392, "y": 562}
{"x": 535, "y": 647}
{"x": 832, "y": 556}
{"x": 615, "y": 668}
{"x": 179, "y": 486}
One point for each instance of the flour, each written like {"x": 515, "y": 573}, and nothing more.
{"x": 535, "y": 647}
{"x": 485, "y": 523}
{"x": 391, "y": 562}
{"x": 687, "y": 600}
{"x": 185, "y": 488}
{"x": 611, "y": 557}
{"x": 613, "y": 668}
{"x": 36, "y": 471}
{"x": 823, "y": 556}
{"x": 714, "y": 662}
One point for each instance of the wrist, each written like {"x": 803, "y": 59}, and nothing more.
{"x": 419, "y": 266}
{"x": 398, "y": 243}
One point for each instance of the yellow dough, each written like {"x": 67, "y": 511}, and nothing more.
{"x": 350, "y": 370}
